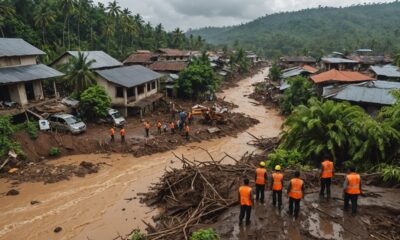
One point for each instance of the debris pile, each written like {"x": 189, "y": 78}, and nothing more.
{"x": 195, "y": 194}
{"x": 266, "y": 93}
{"x": 266, "y": 144}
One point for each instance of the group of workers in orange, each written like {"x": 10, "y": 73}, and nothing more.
{"x": 122, "y": 133}
{"x": 182, "y": 124}
{"x": 295, "y": 189}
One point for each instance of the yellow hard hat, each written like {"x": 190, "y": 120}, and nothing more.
{"x": 277, "y": 167}
{"x": 262, "y": 164}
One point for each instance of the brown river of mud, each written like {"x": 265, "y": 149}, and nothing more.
{"x": 98, "y": 206}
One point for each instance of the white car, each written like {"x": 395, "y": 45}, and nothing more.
{"x": 67, "y": 122}
{"x": 115, "y": 117}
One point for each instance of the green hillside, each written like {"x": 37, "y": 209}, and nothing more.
{"x": 316, "y": 31}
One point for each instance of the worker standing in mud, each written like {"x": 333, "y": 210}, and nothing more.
{"x": 261, "y": 179}
{"x": 187, "y": 130}
{"x": 159, "y": 125}
{"x": 122, "y": 133}
{"x": 112, "y": 133}
{"x": 147, "y": 128}
{"x": 246, "y": 201}
{"x": 295, "y": 193}
{"x": 326, "y": 174}
{"x": 351, "y": 189}
{"x": 172, "y": 127}
{"x": 277, "y": 186}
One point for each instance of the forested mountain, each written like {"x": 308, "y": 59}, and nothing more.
{"x": 315, "y": 31}
{"x": 59, "y": 25}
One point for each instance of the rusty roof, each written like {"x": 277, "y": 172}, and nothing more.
{"x": 310, "y": 69}
{"x": 340, "y": 76}
{"x": 173, "y": 52}
{"x": 170, "y": 66}
{"x": 307, "y": 59}
{"x": 140, "y": 57}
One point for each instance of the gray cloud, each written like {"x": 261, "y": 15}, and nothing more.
{"x": 187, "y": 14}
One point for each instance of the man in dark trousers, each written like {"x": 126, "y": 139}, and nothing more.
{"x": 277, "y": 186}
{"x": 351, "y": 189}
{"x": 246, "y": 201}
{"x": 261, "y": 180}
{"x": 295, "y": 193}
{"x": 326, "y": 174}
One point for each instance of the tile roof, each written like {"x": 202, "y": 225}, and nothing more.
{"x": 310, "y": 69}
{"x": 298, "y": 59}
{"x": 10, "y": 47}
{"x": 173, "y": 52}
{"x": 340, "y": 76}
{"x": 173, "y": 66}
{"x": 368, "y": 59}
{"x": 27, "y": 73}
{"x": 129, "y": 76}
{"x": 376, "y": 92}
{"x": 140, "y": 57}
{"x": 387, "y": 71}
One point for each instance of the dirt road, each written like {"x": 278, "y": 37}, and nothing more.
{"x": 95, "y": 207}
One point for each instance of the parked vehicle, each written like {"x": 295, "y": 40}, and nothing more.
{"x": 115, "y": 117}
{"x": 67, "y": 122}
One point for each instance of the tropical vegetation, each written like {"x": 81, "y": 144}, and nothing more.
{"x": 79, "y": 76}
{"x": 59, "y": 25}
{"x": 299, "y": 92}
{"x": 315, "y": 31}
{"x": 94, "y": 102}
{"x": 205, "y": 234}
{"x": 6, "y": 142}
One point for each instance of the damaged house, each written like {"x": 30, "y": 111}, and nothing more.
{"x": 21, "y": 76}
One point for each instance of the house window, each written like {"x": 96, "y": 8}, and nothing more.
{"x": 141, "y": 89}
{"x": 120, "y": 92}
{"x": 148, "y": 87}
{"x": 130, "y": 92}
{"x": 153, "y": 85}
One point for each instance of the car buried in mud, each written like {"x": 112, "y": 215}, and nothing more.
{"x": 67, "y": 122}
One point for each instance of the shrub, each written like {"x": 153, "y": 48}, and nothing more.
{"x": 32, "y": 129}
{"x": 205, "y": 234}
{"x": 6, "y": 142}
{"x": 137, "y": 235}
{"x": 284, "y": 158}
{"x": 299, "y": 92}
{"x": 390, "y": 173}
{"x": 95, "y": 102}
{"x": 54, "y": 151}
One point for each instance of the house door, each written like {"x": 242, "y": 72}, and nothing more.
{"x": 30, "y": 93}
{"x": 4, "y": 93}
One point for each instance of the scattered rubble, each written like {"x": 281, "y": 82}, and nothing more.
{"x": 12, "y": 192}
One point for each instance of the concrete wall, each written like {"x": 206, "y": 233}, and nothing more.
{"x": 28, "y": 60}
{"x": 38, "y": 90}
{"x": 61, "y": 61}
{"x": 17, "y": 61}
{"x": 18, "y": 93}
{"x": 112, "y": 91}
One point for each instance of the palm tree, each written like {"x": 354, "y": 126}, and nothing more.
{"x": 113, "y": 9}
{"x": 43, "y": 17}
{"x": 67, "y": 8}
{"x": 78, "y": 73}
{"x": 397, "y": 59}
{"x": 109, "y": 32}
{"x": 159, "y": 36}
{"x": 5, "y": 11}
{"x": 127, "y": 25}
{"x": 177, "y": 38}
{"x": 80, "y": 14}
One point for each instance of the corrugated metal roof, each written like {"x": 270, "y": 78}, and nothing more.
{"x": 337, "y": 60}
{"x": 387, "y": 71}
{"x": 377, "y": 92}
{"x": 293, "y": 72}
{"x": 103, "y": 60}
{"x": 17, "y": 47}
{"x": 298, "y": 59}
{"x": 27, "y": 73}
{"x": 129, "y": 76}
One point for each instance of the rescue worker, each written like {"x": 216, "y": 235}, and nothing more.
{"x": 147, "y": 128}
{"x": 246, "y": 201}
{"x": 122, "y": 133}
{"x": 159, "y": 125}
{"x": 326, "y": 175}
{"x": 351, "y": 189}
{"x": 172, "y": 127}
{"x": 165, "y": 127}
{"x": 261, "y": 179}
{"x": 112, "y": 133}
{"x": 295, "y": 193}
{"x": 187, "y": 129}
{"x": 277, "y": 186}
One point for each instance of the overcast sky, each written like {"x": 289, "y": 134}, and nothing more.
{"x": 201, "y": 13}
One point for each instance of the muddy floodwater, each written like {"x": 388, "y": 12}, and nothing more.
{"x": 103, "y": 205}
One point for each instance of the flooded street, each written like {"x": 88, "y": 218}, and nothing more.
{"x": 103, "y": 205}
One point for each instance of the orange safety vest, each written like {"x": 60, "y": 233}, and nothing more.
{"x": 159, "y": 125}
{"x": 277, "y": 178}
{"x": 260, "y": 176}
{"x": 245, "y": 195}
{"x": 327, "y": 169}
{"x": 147, "y": 125}
{"x": 112, "y": 131}
{"x": 171, "y": 125}
{"x": 353, "y": 183}
{"x": 187, "y": 129}
{"x": 122, "y": 132}
{"x": 296, "y": 191}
